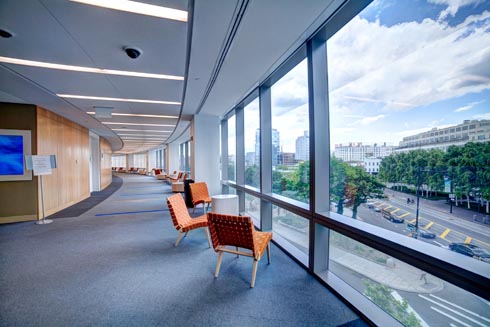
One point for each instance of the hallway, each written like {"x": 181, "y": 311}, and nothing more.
{"x": 116, "y": 265}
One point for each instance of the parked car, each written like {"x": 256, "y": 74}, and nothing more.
{"x": 376, "y": 209}
{"x": 370, "y": 205}
{"x": 470, "y": 250}
{"x": 388, "y": 215}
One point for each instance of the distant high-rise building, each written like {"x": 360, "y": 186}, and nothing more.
{"x": 357, "y": 152}
{"x": 249, "y": 159}
{"x": 276, "y": 151}
{"x": 303, "y": 147}
{"x": 442, "y": 138}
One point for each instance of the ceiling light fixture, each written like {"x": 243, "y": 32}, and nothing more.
{"x": 135, "y": 124}
{"x": 145, "y": 135}
{"x": 87, "y": 97}
{"x": 139, "y": 8}
{"x": 140, "y": 130}
{"x": 137, "y": 115}
{"x": 82, "y": 69}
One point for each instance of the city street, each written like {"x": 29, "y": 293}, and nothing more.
{"x": 448, "y": 307}
{"x": 448, "y": 227}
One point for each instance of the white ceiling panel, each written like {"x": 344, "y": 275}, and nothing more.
{"x": 70, "y": 33}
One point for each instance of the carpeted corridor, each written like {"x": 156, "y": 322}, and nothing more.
{"x": 115, "y": 265}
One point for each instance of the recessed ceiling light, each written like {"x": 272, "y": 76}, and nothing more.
{"x": 139, "y": 8}
{"x": 135, "y": 124}
{"x": 87, "y": 97}
{"x": 140, "y": 130}
{"x": 137, "y": 115}
{"x": 82, "y": 69}
{"x": 145, "y": 135}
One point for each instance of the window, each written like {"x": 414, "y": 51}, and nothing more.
{"x": 377, "y": 64}
{"x": 119, "y": 161}
{"x": 411, "y": 295}
{"x": 232, "y": 148}
{"x": 292, "y": 232}
{"x": 290, "y": 135}
{"x": 252, "y": 143}
{"x": 252, "y": 208}
{"x": 139, "y": 160}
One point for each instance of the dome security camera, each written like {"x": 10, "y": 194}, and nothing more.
{"x": 132, "y": 52}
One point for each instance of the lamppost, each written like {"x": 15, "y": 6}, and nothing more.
{"x": 419, "y": 171}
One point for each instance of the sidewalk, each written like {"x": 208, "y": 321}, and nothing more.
{"x": 440, "y": 205}
{"x": 397, "y": 275}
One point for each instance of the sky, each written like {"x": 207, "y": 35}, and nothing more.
{"x": 399, "y": 68}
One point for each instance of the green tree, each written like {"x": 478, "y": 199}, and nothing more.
{"x": 338, "y": 182}
{"x": 381, "y": 295}
{"x": 252, "y": 177}
{"x": 301, "y": 181}
{"x": 360, "y": 187}
{"x": 278, "y": 182}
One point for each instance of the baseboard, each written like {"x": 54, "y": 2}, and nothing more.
{"x": 16, "y": 219}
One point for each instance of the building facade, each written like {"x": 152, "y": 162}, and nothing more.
{"x": 442, "y": 138}
{"x": 358, "y": 152}
{"x": 303, "y": 147}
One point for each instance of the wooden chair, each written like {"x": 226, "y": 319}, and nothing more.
{"x": 182, "y": 220}
{"x": 200, "y": 194}
{"x": 238, "y": 232}
{"x": 176, "y": 179}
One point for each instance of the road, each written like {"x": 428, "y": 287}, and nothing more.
{"x": 451, "y": 306}
{"x": 446, "y": 226}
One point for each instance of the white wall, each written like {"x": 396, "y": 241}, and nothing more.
{"x": 205, "y": 151}
{"x": 173, "y": 157}
{"x": 94, "y": 170}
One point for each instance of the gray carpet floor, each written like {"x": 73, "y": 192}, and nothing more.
{"x": 115, "y": 265}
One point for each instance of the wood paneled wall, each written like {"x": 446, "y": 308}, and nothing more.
{"x": 105, "y": 164}
{"x": 69, "y": 182}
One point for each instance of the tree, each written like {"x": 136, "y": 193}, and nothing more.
{"x": 381, "y": 295}
{"x": 361, "y": 186}
{"x": 338, "y": 182}
{"x": 252, "y": 177}
{"x": 301, "y": 181}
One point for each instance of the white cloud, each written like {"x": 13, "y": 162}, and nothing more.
{"x": 368, "y": 120}
{"x": 468, "y": 106}
{"x": 408, "y": 64}
{"x": 452, "y": 6}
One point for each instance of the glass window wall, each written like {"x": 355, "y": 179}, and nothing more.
{"x": 252, "y": 144}
{"x": 395, "y": 83}
{"x": 290, "y": 135}
{"x": 232, "y": 148}
{"x": 292, "y": 232}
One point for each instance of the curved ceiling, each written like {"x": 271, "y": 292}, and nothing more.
{"x": 234, "y": 45}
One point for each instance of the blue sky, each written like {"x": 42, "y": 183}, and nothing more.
{"x": 399, "y": 68}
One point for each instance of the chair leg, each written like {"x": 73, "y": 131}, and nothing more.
{"x": 186, "y": 233}
{"x": 194, "y": 209}
{"x": 269, "y": 253}
{"x": 179, "y": 238}
{"x": 206, "y": 230}
{"x": 237, "y": 251}
{"x": 254, "y": 273}
{"x": 218, "y": 265}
